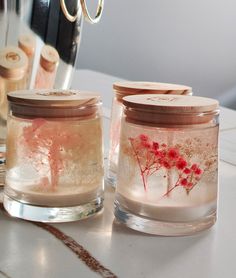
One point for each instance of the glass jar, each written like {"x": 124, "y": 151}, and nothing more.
{"x": 13, "y": 68}
{"x": 122, "y": 89}
{"x": 54, "y": 169}
{"x": 167, "y": 173}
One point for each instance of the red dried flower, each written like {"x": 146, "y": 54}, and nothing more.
{"x": 181, "y": 164}
{"x": 194, "y": 167}
{"x": 184, "y": 182}
{"x": 187, "y": 171}
{"x": 166, "y": 164}
{"x": 146, "y": 144}
{"x": 189, "y": 185}
{"x": 162, "y": 154}
{"x": 152, "y": 156}
{"x": 155, "y": 145}
{"x": 143, "y": 137}
{"x": 173, "y": 154}
{"x": 198, "y": 171}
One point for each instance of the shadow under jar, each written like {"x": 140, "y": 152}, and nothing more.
{"x": 54, "y": 169}
{"x": 122, "y": 89}
{"x": 168, "y": 164}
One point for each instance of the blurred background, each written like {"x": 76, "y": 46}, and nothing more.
{"x": 185, "y": 41}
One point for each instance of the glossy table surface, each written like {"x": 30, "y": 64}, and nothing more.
{"x": 104, "y": 248}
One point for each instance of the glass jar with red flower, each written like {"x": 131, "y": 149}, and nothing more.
{"x": 122, "y": 89}
{"x": 168, "y": 160}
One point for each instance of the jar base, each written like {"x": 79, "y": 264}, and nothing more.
{"x": 51, "y": 214}
{"x": 162, "y": 228}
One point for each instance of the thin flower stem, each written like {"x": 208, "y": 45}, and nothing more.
{"x": 140, "y": 168}
{"x": 172, "y": 188}
{"x": 168, "y": 192}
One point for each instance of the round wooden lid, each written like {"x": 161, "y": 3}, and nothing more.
{"x": 27, "y": 43}
{"x": 171, "y": 103}
{"x": 53, "y": 103}
{"x": 130, "y": 88}
{"x": 49, "y": 58}
{"x": 13, "y": 63}
{"x": 170, "y": 109}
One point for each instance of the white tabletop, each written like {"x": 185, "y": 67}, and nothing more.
{"x": 31, "y": 251}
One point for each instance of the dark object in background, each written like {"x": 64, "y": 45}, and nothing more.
{"x": 39, "y": 19}
{"x": 68, "y": 35}
{"x": 49, "y": 22}
{"x": 3, "y": 5}
{"x": 53, "y": 22}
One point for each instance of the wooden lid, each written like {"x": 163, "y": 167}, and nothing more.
{"x": 170, "y": 108}
{"x": 130, "y": 88}
{"x": 172, "y": 103}
{"x": 27, "y": 43}
{"x": 49, "y": 58}
{"x": 53, "y": 103}
{"x": 13, "y": 63}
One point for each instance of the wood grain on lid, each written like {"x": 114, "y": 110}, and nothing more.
{"x": 13, "y": 63}
{"x": 55, "y": 98}
{"x": 53, "y": 104}
{"x": 129, "y": 87}
{"x": 171, "y": 103}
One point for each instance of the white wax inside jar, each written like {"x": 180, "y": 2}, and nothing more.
{"x": 35, "y": 190}
{"x": 178, "y": 206}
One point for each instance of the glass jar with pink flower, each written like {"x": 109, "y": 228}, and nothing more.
{"x": 54, "y": 169}
{"x": 168, "y": 164}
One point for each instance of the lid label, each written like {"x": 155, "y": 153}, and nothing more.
{"x": 57, "y": 94}
{"x": 162, "y": 99}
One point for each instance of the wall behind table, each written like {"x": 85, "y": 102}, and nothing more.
{"x": 182, "y": 41}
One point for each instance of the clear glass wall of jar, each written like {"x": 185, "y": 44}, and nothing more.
{"x": 168, "y": 164}
{"x": 13, "y": 69}
{"x": 122, "y": 89}
{"x": 54, "y": 169}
